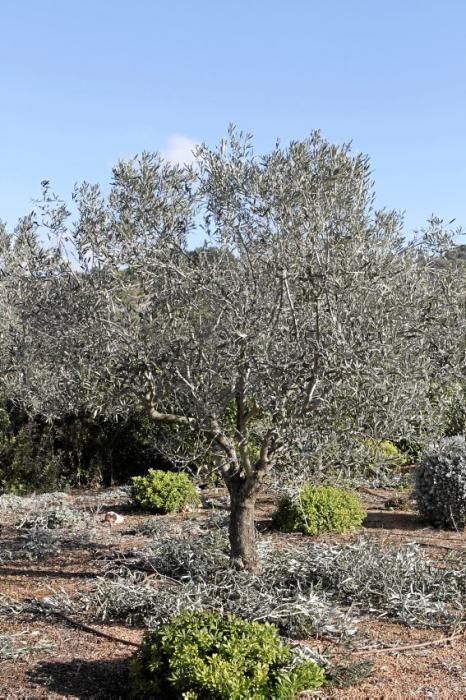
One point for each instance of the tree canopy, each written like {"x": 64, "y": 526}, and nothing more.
{"x": 305, "y": 313}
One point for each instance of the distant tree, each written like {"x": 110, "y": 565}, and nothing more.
{"x": 458, "y": 252}
{"x": 305, "y": 313}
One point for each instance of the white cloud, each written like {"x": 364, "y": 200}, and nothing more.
{"x": 179, "y": 149}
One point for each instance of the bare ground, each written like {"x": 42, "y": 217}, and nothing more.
{"x": 63, "y": 660}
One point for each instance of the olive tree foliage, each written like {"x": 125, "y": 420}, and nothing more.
{"x": 305, "y": 315}
{"x": 5, "y": 306}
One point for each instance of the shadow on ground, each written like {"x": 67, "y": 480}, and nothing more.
{"x": 47, "y": 573}
{"x": 393, "y": 520}
{"x": 85, "y": 679}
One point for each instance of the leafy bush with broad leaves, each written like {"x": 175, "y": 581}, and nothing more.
{"x": 318, "y": 509}
{"x": 164, "y": 492}
{"x": 440, "y": 479}
{"x": 209, "y": 656}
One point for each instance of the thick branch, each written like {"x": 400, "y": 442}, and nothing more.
{"x": 170, "y": 418}
{"x": 263, "y": 465}
{"x": 291, "y": 303}
{"x": 219, "y": 438}
{"x": 154, "y": 414}
{"x": 245, "y": 459}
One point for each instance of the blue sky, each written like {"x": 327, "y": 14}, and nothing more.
{"x": 85, "y": 83}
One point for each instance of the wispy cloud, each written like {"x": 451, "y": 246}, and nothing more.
{"x": 179, "y": 149}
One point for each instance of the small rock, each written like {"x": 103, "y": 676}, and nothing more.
{"x": 113, "y": 518}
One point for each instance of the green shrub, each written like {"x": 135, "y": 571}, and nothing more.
{"x": 208, "y": 656}
{"x": 164, "y": 492}
{"x": 440, "y": 479}
{"x": 74, "y": 450}
{"x": 28, "y": 461}
{"x": 385, "y": 452}
{"x": 318, "y": 509}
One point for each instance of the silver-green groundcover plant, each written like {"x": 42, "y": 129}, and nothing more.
{"x": 304, "y": 315}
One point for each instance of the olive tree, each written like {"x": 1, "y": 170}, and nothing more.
{"x": 305, "y": 312}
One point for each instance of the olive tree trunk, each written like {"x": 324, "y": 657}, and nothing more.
{"x": 242, "y": 531}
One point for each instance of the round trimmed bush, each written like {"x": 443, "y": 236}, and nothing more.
{"x": 164, "y": 492}
{"x": 440, "y": 479}
{"x": 317, "y": 509}
{"x": 208, "y": 656}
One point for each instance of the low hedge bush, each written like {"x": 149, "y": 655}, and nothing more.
{"x": 209, "y": 656}
{"x": 318, "y": 509}
{"x": 164, "y": 492}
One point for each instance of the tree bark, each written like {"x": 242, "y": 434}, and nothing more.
{"x": 242, "y": 530}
